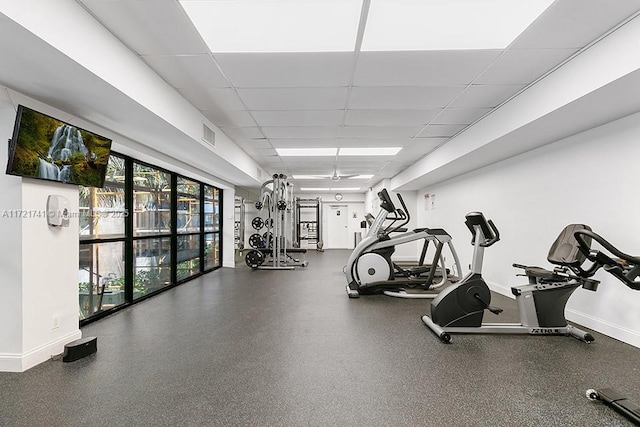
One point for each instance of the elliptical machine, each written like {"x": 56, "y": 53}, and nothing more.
{"x": 541, "y": 303}
{"x": 370, "y": 269}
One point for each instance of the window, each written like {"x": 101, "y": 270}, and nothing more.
{"x": 152, "y": 265}
{"x": 152, "y": 201}
{"x": 102, "y": 210}
{"x": 100, "y": 277}
{"x": 172, "y": 235}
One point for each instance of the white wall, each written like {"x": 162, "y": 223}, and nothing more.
{"x": 355, "y": 206}
{"x": 39, "y": 267}
{"x": 11, "y": 250}
{"x": 227, "y": 214}
{"x": 49, "y": 274}
{"x": 588, "y": 178}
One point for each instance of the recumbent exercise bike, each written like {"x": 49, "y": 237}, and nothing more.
{"x": 541, "y": 303}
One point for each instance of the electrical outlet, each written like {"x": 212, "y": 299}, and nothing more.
{"x": 55, "y": 322}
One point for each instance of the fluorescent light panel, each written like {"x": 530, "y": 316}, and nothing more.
{"x": 310, "y": 176}
{"x": 394, "y": 25}
{"x": 361, "y": 177}
{"x": 369, "y": 151}
{"x": 330, "y": 189}
{"x": 276, "y": 25}
{"x": 308, "y": 152}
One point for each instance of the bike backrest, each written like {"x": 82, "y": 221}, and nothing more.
{"x": 566, "y": 250}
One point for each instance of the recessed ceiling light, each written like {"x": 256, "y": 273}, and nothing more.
{"x": 369, "y": 151}
{"x": 345, "y": 189}
{"x": 306, "y": 151}
{"x": 310, "y": 176}
{"x": 315, "y": 189}
{"x": 276, "y": 25}
{"x": 446, "y": 25}
{"x": 361, "y": 177}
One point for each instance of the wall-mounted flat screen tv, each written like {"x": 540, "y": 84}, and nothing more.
{"x": 47, "y": 148}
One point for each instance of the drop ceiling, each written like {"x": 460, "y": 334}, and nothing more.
{"x": 414, "y": 99}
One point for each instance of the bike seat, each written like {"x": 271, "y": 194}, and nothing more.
{"x": 543, "y": 274}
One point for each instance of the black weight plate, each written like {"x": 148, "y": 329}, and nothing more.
{"x": 254, "y": 259}
{"x": 256, "y": 241}
{"x": 257, "y": 223}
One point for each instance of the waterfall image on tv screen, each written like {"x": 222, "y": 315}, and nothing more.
{"x": 47, "y": 148}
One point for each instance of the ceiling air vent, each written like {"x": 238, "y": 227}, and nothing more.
{"x": 208, "y": 135}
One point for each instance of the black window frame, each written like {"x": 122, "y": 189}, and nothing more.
{"x": 129, "y": 238}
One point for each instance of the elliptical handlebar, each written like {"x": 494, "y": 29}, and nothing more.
{"x": 627, "y": 272}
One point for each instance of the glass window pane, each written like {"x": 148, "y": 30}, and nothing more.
{"x": 102, "y": 212}
{"x": 100, "y": 277}
{"x": 188, "y": 206}
{"x": 151, "y": 200}
{"x": 188, "y": 256}
{"x": 211, "y": 251}
{"x": 211, "y": 209}
{"x": 151, "y": 265}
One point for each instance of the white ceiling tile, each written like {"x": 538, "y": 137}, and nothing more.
{"x": 379, "y": 131}
{"x": 389, "y": 117}
{"x": 242, "y": 133}
{"x": 213, "y": 99}
{"x": 230, "y": 118}
{"x": 187, "y": 71}
{"x": 374, "y": 142}
{"x": 459, "y": 116}
{"x": 483, "y": 96}
{"x": 267, "y": 154}
{"x": 419, "y": 148}
{"x": 574, "y": 23}
{"x": 256, "y": 143}
{"x": 441, "y": 130}
{"x": 287, "y": 69}
{"x": 149, "y": 27}
{"x": 523, "y": 66}
{"x": 301, "y": 132}
{"x": 333, "y": 98}
{"x": 402, "y": 98}
{"x": 371, "y": 163}
{"x": 299, "y": 118}
{"x": 430, "y": 68}
{"x": 306, "y": 164}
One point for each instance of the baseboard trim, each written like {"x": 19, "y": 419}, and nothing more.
{"x": 21, "y": 362}
{"x": 604, "y": 327}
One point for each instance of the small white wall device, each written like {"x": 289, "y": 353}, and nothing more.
{"x": 57, "y": 211}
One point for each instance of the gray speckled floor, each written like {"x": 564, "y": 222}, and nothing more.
{"x": 288, "y": 348}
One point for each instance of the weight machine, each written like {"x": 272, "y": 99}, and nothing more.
{"x": 274, "y": 248}
{"x": 308, "y": 217}
{"x": 239, "y": 223}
